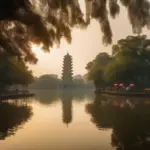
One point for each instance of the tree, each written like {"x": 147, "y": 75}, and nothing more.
{"x": 48, "y": 21}
{"x": 131, "y": 61}
{"x": 89, "y": 66}
{"x": 79, "y": 83}
{"x": 14, "y": 71}
{"x": 120, "y": 71}
{"x": 45, "y": 82}
{"x": 96, "y": 69}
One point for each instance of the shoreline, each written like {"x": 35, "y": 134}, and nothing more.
{"x": 124, "y": 93}
{"x": 14, "y": 96}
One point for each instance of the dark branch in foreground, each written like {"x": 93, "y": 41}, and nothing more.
{"x": 48, "y": 21}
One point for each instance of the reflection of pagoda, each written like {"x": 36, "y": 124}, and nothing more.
{"x": 66, "y": 98}
{"x": 67, "y": 71}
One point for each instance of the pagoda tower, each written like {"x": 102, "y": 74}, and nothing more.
{"x": 67, "y": 71}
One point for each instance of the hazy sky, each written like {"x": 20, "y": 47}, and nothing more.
{"x": 86, "y": 44}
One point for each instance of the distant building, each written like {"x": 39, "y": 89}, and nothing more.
{"x": 67, "y": 71}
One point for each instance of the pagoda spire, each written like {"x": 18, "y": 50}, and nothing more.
{"x": 67, "y": 71}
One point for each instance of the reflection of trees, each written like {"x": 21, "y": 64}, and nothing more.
{"x": 78, "y": 94}
{"x": 49, "y": 96}
{"x": 100, "y": 112}
{"x": 132, "y": 128}
{"x": 89, "y": 94}
{"x": 46, "y": 97}
{"x": 131, "y": 125}
{"x": 81, "y": 94}
{"x": 66, "y": 97}
{"x": 13, "y": 116}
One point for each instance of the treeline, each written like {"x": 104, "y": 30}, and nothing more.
{"x": 13, "y": 71}
{"x": 47, "y": 96}
{"x": 81, "y": 83}
{"x": 45, "y": 82}
{"x": 129, "y": 63}
{"x": 52, "y": 82}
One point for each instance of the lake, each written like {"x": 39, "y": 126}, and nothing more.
{"x": 74, "y": 120}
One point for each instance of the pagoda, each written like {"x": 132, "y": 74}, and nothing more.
{"x": 67, "y": 72}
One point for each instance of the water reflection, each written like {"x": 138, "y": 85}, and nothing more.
{"x": 66, "y": 98}
{"x": 13, "y": 115}
{"x": 123, "y": 123}
{"x": 128, "y": 117}
{"x": 48, "y": 97}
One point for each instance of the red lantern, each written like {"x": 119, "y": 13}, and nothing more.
{"x": 132, "y": 85}
{"x": 121, "y": 84}
{"x": 116, "y": 85}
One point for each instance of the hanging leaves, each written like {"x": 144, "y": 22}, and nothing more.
{"x": 48, "y": 21}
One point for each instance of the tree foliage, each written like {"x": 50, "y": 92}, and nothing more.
{"x": 96, "y": 69}
{"x": 50, "y": 81}
{"x": 14, "y": 71}
{"x": 46, "y": 82}
{"x": 81, "y": 83}
{"x": 48, "y": 21}
{"x": 43, "y": 21}
{"x": 129, "y": 63}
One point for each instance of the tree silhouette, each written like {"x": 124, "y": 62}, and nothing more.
{"x": 14, "y": 71}
{"x": 47, "y": 21}
{"x": 129, "y": 63}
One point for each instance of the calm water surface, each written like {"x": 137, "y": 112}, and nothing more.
{"x": 75, "y": 120}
